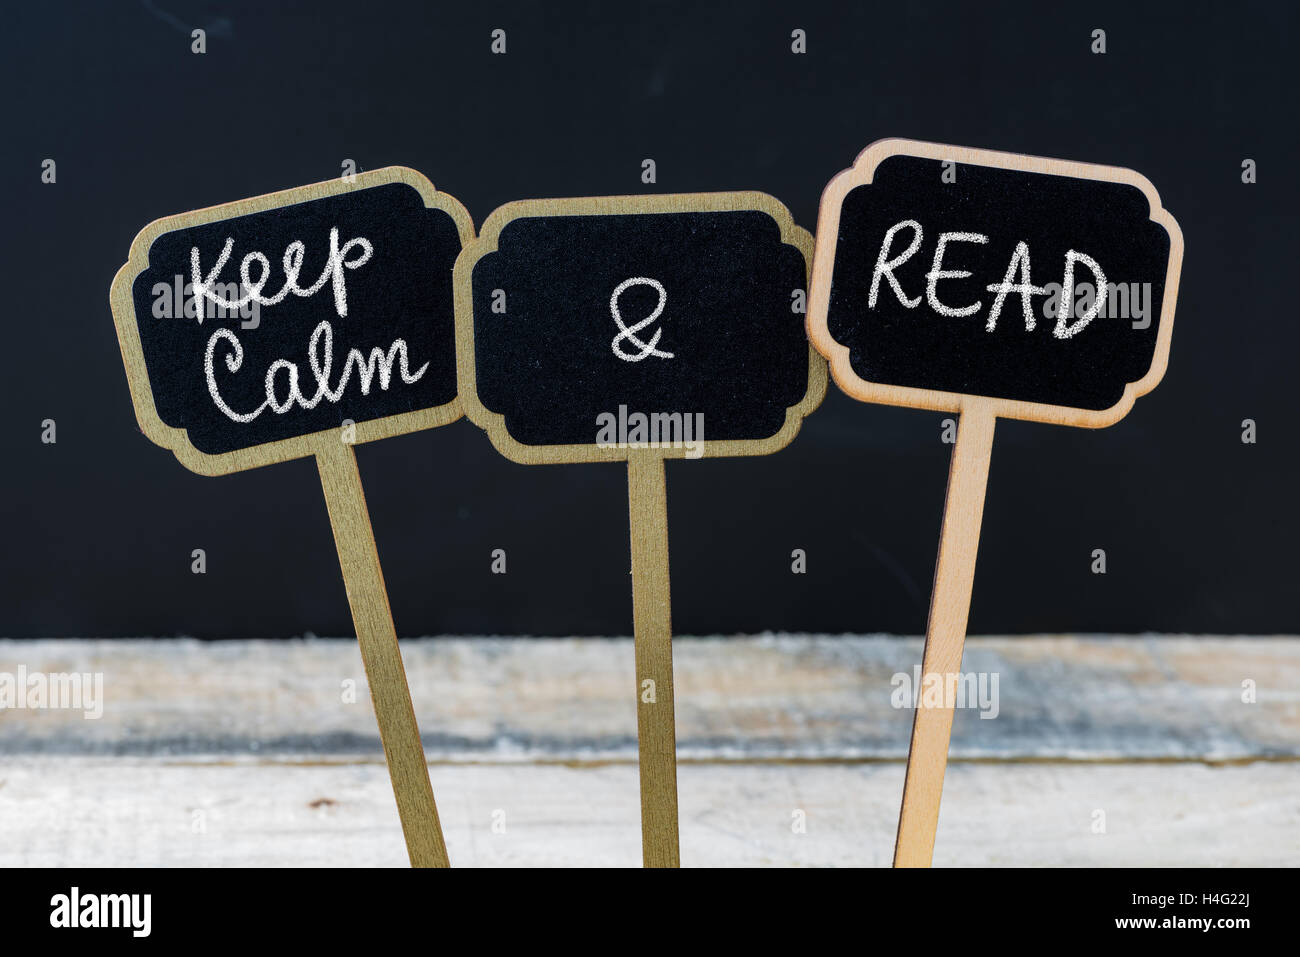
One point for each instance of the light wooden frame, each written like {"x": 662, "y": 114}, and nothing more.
{"x": 828, "y": 229}
{"x": 927, "y": 760}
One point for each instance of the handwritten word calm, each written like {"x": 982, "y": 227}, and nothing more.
{"x": 630, "y": 332}
{"x": 320, "y": 357}
{"x": 335, "y": 264}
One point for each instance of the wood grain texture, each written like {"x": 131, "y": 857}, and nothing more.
{"x": 799, "y": 699}
{"x": 954, "y": 574}
{"x": 244, "y": 753}
{"x": 266, "y": 812}
{"x": 377, "y": 638}
{"x": 652, "y": 619}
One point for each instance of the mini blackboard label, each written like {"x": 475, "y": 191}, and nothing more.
{"x": 1044, "y": 287}
{"x": 589, "y": 329}
{"x": 256, "y": 330}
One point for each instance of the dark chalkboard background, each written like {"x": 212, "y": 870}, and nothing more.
{"x": 402, "y": 291}
{"x": 893, "y": 344}
{"x": 1199, "y": 529}
{"x": 737, "y": 352}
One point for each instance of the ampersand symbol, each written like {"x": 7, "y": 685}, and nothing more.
{"x": 630, "y": 332}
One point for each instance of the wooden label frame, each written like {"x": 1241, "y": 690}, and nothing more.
{"x": 466, "y": 367}
{"x": 968, "y": 469}
{"x": 340, "y": 481}
{"x": 828, "y": 227}
{"x": 647, "y": 493}
{"x": 281, "y": 450}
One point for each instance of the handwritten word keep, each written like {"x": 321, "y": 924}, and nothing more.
{"x": 337, "y": 261}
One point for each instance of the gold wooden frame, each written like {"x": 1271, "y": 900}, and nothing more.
{"x": 344, "y": 497}
{"x": 494, "y": 422}
{"x": 282, "y": 450}
{"x": 647, "y": 493}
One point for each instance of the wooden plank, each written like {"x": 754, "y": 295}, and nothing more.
{"x": 762, "y": 698}
{"x": 94, "y": 811}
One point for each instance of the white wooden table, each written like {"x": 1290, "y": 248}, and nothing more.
{"x": 266, "y": 753}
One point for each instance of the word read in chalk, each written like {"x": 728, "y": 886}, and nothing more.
{"x": 1044, "y": 285}
{"x": 589, "y": 328}
{"x": 282, "y": 318}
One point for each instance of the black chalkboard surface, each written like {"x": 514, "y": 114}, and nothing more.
{"x": 944, "y": 272}
{"x": 581, "y": 321}
{"x": 263, "y": 322}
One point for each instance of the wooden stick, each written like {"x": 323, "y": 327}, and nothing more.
{"x": 373, "y": 620}
{"x": 945, "y": 634}
{"x": 652, "y": 617}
